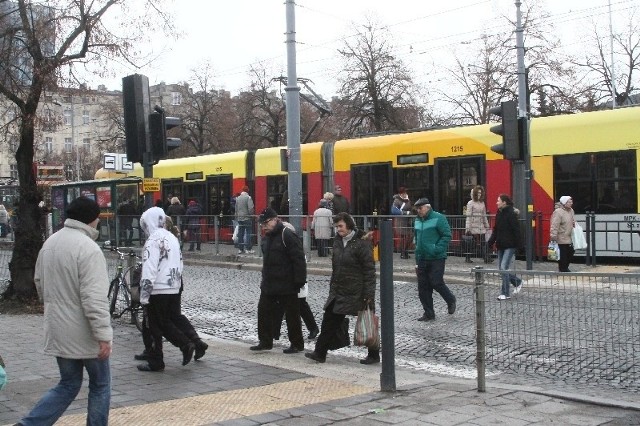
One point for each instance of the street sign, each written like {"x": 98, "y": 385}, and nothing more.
{"x": 110, "y": 162}
{"x": 151, "y": 185}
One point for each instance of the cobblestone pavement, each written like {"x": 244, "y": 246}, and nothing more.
{"x": 223, "y": 303}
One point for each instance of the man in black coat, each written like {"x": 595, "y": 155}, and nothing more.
{"x": 284, "y": 273}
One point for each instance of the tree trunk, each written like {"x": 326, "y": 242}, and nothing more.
{"x": 28, "y": 232}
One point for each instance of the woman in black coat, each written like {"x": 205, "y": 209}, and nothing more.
{"x": 352, "y": 286}
{"x": 506, "y": 237}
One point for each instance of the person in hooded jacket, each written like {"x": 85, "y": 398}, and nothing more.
{"x": 284, "y": 273}
{"x": 160, "y": 284}
{"x": 352, "y": 286}
{"x": 562, "y": 223}
{"x": 506, "y": 237}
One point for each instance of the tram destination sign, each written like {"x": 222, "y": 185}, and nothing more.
{"x": 413, "y": 159}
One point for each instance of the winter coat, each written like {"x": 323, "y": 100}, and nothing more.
{"x": 194, "y": 211}
{"x": 476, "y": 222}
{"x": 402, "y": 207}
{"x": 244, "y": 207}
{"x": 353, "y": 279}
{"x": 562, "y": 222}
{"x": 175, "y": 210}
{"x": 506, "y": 230}
{"x": 432, "y": 234}
{"x": 161, "y": 257}
{"x": 72, "y": 281}
{"x": 340, "y": 204}
{"x": 322, "y": 223}
{"x": 284, "y": 267}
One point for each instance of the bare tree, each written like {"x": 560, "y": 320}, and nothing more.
{"x": 375, "y": 86}
{"x": 627, "y": 62}
{"x": 40, "y": 43}
{"x": 261, "y": 113}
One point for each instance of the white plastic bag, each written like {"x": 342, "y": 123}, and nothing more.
{"x": 577, "y": 238}
{"x": 304, "y": 291}
{"x": 235, "y": 234}
{"x": 553, "y": 251}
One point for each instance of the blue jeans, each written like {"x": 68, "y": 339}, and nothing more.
{"x": 55, "y": 402}
{"x": 244, "y": 235}
{"x": 431, "y": 277}
{"x": 505, "y": 257}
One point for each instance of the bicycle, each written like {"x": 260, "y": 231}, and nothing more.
{"x": 121, "y": 303}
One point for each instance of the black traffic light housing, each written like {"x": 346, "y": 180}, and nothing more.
{"x": 135, "y": 99}
{"x": 159, "y": 124}
{"x": 510, "y": 147}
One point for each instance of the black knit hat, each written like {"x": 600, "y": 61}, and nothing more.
{"x": 267, "y": 214}
{"x": 83, "y": 209}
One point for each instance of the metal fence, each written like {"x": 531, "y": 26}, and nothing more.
{"x": 578, "y": 326}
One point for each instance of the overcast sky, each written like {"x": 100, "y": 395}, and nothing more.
{"x": 233, "y": 35}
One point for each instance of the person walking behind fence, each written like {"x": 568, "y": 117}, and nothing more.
{"x": 126, "y": 213}
{"x": 562, "y": 223}
{"x": 340, "y": 203}
{"x": 194, "y": 212}
{"x": 506, "y": 237}
{"x": 244, "y": 214}
{"x": 284, "y": 273}
{"x": 176, "y": 210}
{"x": 322, "y": 226}
{"x": 71, "y": 279}
{"x": 432, "y": 234}
{"x": 402, "y": 207}
{"x": 476, "y": 224}
{"x": 352, "y": 285}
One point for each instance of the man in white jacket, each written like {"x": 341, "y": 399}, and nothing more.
{"x": 160, "y": 289}
{"x": 72, "y": 281}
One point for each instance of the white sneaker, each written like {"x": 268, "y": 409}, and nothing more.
{"x": 250, "y": 251}
{"x": 517, "y": 289}
{"x": 240, "y": 251}
{"x": 503, "y": 297}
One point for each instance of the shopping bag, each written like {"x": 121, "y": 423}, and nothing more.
{"x": 3, "y": 375}
{"x": 304, "y": 291}
{"x": 553, "y": 251}
{"x": 577, "y": 238}
{"x": 235, "y": 234}
{"x": 366, "y": 333}
{"x": 341, "y": 338}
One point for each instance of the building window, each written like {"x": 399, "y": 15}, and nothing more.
{"x": 86, "y": 144}
{"x": 85, "y": 117}
{"x": 13, "y": 143}
{"x": 68, "y": 145}
{"x": 49, "y": 123}
{"x": 48, "y": 145}
{"x": 14, "y": 171}
{"x": 68, "y": 171}
{"x": 67, "y": 117}
{"x": 176, "y": 98}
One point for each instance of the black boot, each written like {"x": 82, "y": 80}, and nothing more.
{"x": 201, "y": 348}
{"x": 187, "y": 353}
{"x": 373, "y": 357}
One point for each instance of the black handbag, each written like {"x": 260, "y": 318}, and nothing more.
{"x": 341, "y": 338}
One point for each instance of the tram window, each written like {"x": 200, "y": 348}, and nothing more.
{"x": 601, "y": 182}
{"x": 277, "y": 190}
{"x": 417, "y": 180}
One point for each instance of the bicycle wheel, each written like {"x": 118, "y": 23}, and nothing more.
{"x": 128, "y": 313}
{"x": 113, "y": 284}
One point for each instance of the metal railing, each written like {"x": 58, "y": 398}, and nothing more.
{"x": 581, "y": 327}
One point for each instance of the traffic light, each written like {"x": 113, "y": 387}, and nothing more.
{"x": 135, "y": 99}
{"x": 159, "y": 124}
{"x": 508, "y": 129}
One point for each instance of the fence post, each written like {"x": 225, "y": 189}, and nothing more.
{"x": 480, "y": 328}
{"x": 388, "y": 374}
{"x": 216, "y": 232}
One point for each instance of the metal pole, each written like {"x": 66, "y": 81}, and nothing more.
{"x": 388, "y": 374}
{"x": 480, "y": 329}
{"x": 613, "y": 74}
{"x": 293, "y": 123}
{"x": 524, "y": 134}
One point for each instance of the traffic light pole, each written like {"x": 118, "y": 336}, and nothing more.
{"x": 524, "y": 169}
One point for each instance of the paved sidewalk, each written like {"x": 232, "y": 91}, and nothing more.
{"x": 234, "y": 386}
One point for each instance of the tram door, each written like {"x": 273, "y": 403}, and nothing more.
{"x": 219, "y": 195}
{"x": 371, "y": 189}
{"x": 454, "y": 179}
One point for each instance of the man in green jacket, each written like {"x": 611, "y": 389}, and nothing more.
{"x": 432, "y": 235}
